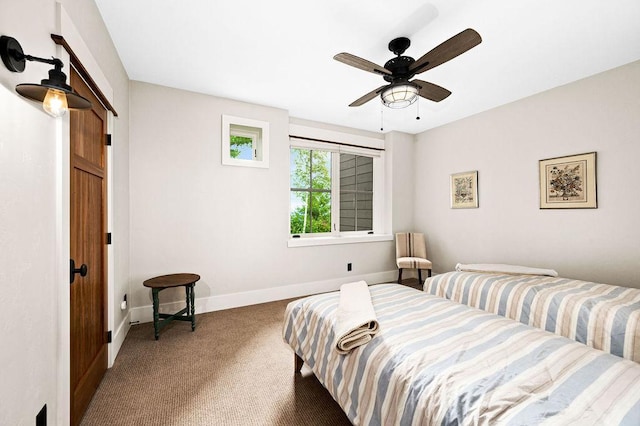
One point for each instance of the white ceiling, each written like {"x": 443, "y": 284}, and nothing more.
{"x": 280, "y": 53}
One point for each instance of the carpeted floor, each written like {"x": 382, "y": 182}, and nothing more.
{"x": 234, "y": 369}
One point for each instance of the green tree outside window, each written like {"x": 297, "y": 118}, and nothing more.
{"x": 241, "y": 147}
{"x": 310, "y": 191}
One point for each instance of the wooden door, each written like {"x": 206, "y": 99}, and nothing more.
{"x": 88, "y": 182}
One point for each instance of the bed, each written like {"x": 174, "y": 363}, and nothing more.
{"x": 603, "y": 316}
{"x": 435, "y": 361}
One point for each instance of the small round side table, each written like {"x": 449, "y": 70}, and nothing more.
{"x": 158, "y": 284}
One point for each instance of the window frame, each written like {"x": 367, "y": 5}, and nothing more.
{"x": 355, "y": 192}
{"x": 379, "y": 216}
{"x": 257, "y": 130}
{"x": 310, "y": 190}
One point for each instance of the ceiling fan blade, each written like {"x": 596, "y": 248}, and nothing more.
{"x": 431, "y": 91}
{"x": 456, "y": 45}
{"x": 363, "y": 64}
{"x": 366, "y": 98}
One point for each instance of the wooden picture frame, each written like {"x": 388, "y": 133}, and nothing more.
{"x": 464, "y": 190}
{"x": 568, "y": 182}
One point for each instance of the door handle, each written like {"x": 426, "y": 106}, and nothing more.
{"x": 82, "y": 270}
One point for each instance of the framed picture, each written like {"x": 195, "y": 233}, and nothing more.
{"x": 464, "y": 190}
{"x": 568, "y": 182}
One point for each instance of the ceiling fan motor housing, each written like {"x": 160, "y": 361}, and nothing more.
{"x": 399, "y": 68}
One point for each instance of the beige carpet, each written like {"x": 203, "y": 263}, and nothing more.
{"x": 234, "y": 369}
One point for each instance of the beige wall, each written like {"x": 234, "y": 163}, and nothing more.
{"x": 601, "y": 114}
{"x": 400, "y": 146}
{"x": 227, "y": 223}
{"x": 34, "y": 213}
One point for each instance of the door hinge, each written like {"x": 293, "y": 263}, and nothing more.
{"x": 108, "y": 238}
{"x": 109, "y": 336}
{"x": 108, "y": 140}
{"x": 41, "y": 417}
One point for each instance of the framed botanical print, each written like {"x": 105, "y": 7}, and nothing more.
{"x": 464, "y": 190}
{"x": 568, "y": 182}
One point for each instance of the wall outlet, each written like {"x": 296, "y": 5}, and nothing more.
{"x": 348, "y": 267}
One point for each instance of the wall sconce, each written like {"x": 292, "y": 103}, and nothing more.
{"x": 54, "y": 93}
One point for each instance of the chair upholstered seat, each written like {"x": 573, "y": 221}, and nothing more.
{"x": 411, "y": 253}
{"x": 413, "y": 263}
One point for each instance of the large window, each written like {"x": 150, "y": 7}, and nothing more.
{"x": 332, "y": 190}
{"x": 356, "y": 193}
{"x": 310, "y": 191}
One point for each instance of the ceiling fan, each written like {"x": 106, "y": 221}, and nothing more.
{"x": 398, "y": 72}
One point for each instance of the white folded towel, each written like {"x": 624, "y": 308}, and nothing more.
{"x": 356, "y": 323}
{"x": 504, "y": 269}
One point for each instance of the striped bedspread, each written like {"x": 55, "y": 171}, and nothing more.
{"x": 436, "y": 362}
{"x": 602, "y": 316}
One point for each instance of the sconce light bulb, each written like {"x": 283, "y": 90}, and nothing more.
{"x": 55, "y": 103}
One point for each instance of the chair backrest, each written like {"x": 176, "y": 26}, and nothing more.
{"x": 410, "y": 244}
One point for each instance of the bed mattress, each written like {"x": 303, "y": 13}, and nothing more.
{"x": 602, "y": 316}
{"x": 435, "y": 361}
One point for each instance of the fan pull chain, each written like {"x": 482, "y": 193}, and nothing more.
{"x": 381, "y": 118}
{"x": 418, "y": 107}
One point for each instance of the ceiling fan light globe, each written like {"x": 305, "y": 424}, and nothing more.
{"x": 399, "y": 96}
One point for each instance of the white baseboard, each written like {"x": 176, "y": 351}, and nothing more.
{"x": 117, "y": 338}
{"x": 235, "y": 300}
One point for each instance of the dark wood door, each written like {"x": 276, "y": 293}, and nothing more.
{"x": 88, "y": 182}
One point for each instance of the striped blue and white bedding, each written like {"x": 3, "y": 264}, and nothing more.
{"x": 603, "y": 316}
{"x": 439, "y": 362}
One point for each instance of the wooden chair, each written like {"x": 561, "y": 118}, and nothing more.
{"x": 411, "y": 253}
